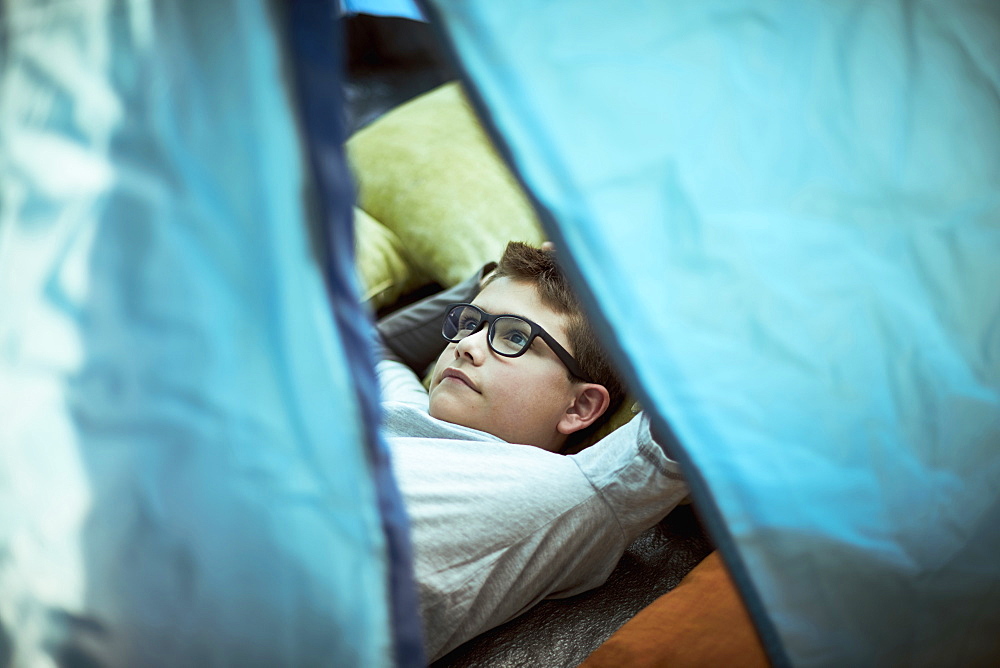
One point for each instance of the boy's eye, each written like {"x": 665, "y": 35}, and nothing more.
{"x": 516, "y": 338}
{"x": 511, "y": 335}
{"x": 468, "y": 323}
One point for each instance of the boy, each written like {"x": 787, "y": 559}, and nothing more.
{"x": 499, "y": 519}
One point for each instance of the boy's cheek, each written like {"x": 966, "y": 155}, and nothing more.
{"x": 436, "y": 372}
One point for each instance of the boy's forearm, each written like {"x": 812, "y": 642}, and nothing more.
{"x": 412, "y": 335}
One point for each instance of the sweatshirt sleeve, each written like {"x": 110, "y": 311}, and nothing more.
{"x": 630, "y": 471}
{"x": 399, "y": 384}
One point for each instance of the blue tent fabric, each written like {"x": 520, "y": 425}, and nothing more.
{"x": 407, "y": 9}
{"x": 184, "y": 475}
{"x": 318, "y": 69}
{"x": 785, "y": 219}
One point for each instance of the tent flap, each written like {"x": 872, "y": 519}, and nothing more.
{"x": 184, "y": 478}
{"x": 785, "y": 221}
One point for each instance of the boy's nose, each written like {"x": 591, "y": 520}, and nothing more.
{"x": 474, "y": 346}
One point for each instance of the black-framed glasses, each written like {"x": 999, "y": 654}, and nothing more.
{"x": 508, "y": 335}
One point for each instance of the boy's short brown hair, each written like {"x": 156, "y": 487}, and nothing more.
{"x": 524, "y": 263}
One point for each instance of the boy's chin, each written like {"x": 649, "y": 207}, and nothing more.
{"x": 448, "y": 408}
{"x": 443, "y": 407}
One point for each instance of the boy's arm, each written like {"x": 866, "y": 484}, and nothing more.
{"x": 412, "y": 335}
{"x": 633, "y": 474}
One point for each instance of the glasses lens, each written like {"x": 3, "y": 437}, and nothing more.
{"x": 510, "y": 335}
{"x": 460, "y": 322}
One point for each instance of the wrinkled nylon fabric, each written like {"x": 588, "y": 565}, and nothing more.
{"x": 317, "y": 58}
{"x": 183, "y": 477}
{"x": 786, "y": 219}
{"x": 403, "y": 8}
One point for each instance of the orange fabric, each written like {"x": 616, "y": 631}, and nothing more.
{"x": 701, "y": 622}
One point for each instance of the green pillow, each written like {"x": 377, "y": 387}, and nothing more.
{"x": 382, "y": 268}
{"x": 427, "y": 171}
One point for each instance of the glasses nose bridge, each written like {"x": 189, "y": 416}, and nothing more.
{"x": 470, "y": 339}
{"x": 485, "y": 324}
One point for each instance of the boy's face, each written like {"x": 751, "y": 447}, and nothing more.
{"x": 520, "y": 399}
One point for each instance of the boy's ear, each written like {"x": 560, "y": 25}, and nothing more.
{"x": 590, "y": 403}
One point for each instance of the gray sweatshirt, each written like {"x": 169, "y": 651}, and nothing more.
{"x": 497, "y": 527}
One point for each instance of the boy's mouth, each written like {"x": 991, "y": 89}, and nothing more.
{"x": 459, "y": 376}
